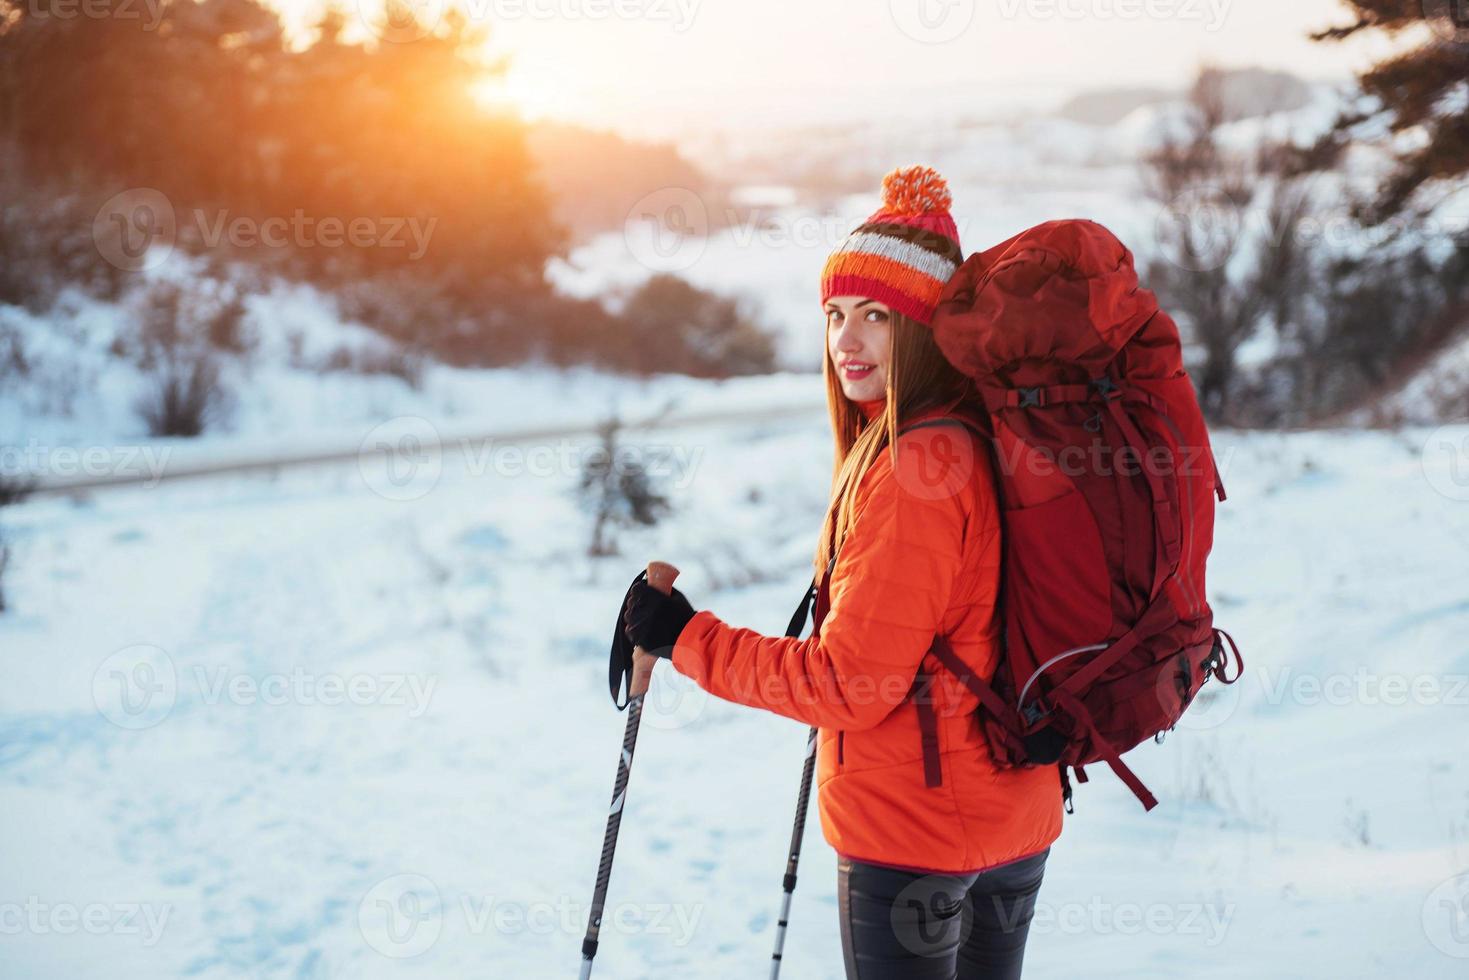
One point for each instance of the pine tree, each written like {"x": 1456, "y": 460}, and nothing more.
{"x": 1423, "y": 88}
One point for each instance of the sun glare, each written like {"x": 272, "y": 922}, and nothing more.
{"x": 533, "y": 90}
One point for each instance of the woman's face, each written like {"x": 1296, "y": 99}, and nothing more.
{"x": 857, "y": 332}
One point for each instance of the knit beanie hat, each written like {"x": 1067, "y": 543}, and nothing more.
{"x": 903, "y": 254}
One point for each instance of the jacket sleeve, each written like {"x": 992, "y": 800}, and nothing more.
{"x": 889, "y": 590}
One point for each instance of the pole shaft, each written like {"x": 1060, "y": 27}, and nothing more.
{"x": 793, "y": 857}
{"x": 609, "y": 839}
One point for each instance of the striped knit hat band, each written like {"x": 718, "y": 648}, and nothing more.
{"x": 905, "y": 252}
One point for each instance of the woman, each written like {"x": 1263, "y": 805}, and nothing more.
{"x": 940, "y": 852}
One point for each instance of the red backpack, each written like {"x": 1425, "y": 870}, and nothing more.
{"x": 1106, "y": 485}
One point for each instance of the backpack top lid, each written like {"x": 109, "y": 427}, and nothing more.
{"x": 1054, "y": 303}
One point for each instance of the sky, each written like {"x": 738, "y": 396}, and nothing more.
{"x": 658, "y": 67}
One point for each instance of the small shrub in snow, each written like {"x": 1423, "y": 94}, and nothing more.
{"x": 46, "y": 243}
{"x": 673, "y": 325}
{"x": 618, "y": 491}
{"x": 14, "y": 489}
{"x": 393, "y": 361}
{"x": 13, "y": 361}
{"x": 184, "y": 396}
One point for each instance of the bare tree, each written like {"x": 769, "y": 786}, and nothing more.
{"x": 617, "y": 489}
{"x": 1228, "y": 232}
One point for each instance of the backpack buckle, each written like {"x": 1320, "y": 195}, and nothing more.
{"x": 1033, "y": 712}
{"x": 1030, "y": 398}
{"x": 1105, "y": 386}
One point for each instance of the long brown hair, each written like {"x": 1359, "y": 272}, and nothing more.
{"x": 918, "y": 377}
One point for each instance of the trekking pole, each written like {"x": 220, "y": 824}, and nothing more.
{"x": 793, "y": 857}
{"x": 660, "y": 576}
{"x": 797, "y": 832}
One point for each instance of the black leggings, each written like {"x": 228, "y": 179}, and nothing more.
{"x": 903, "y": 924}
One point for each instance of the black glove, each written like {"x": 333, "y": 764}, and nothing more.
{"x": 653, "y": 620}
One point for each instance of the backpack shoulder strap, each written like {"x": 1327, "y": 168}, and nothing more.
{"x": 955, "y": 419}
{"x": 797, "y": 624}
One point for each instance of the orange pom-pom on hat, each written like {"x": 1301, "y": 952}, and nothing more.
{"x": 905, "y": 252}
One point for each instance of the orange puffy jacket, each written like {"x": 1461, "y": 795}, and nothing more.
{"x": 921, "y": 558}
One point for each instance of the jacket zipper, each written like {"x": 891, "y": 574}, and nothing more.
{"x": 841, "y": 735}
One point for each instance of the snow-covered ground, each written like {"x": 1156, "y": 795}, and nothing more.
{"x": 332, "y": 723}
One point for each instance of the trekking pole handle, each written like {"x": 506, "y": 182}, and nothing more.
{"x": 660, "y": 576}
